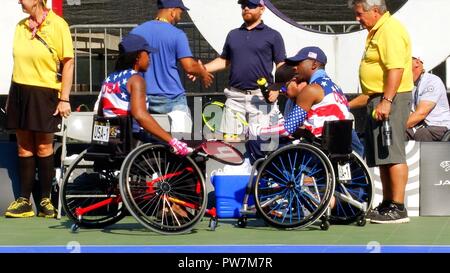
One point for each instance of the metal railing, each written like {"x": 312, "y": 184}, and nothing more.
{"x": 95, "y": 40}
{"x": 96, "y": 51}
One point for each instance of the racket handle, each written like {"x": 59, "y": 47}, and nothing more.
{"x": 263, "y": 85}
{"x": 191, "y": 150}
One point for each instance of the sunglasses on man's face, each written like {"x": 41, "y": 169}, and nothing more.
{"x": 249, "y": 5}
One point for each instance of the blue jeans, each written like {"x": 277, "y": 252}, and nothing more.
{"x": 357, "y": 146}
{"x": 164, "y": 105}
{"x": 178, "y": 111}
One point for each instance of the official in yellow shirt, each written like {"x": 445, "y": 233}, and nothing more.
{"x": 38, "y": 99}
{"x": 386, "y": 79}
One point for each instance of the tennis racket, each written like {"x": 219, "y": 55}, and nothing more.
{"x": 220, "y": 151}
{"x": 212, "y": 114}
{"x": 217, "y": 150}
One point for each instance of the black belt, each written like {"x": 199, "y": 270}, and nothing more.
{"x": 244, "y": 91}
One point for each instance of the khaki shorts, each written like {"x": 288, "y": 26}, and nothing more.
{"x": 377, "y": 154}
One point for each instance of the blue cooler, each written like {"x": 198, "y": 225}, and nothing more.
{"x": 230, "y": 191}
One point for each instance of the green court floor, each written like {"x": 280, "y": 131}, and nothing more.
{"x": 36, "y": 231}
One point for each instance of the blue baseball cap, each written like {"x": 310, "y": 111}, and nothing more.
{"x": 254, "y": 2}
{"x": 133, "y": 43}
{"x": 166, "y": 4}
{"x": 310, "y": 52}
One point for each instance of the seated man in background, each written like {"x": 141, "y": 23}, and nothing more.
{"x": 429, "y": 119}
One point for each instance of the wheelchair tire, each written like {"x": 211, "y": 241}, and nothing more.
{"x": 360, "y": 188}
{"x": 83, "y": 186}
{"x": 164, "y": 192}
{"x": 294, "y": 186}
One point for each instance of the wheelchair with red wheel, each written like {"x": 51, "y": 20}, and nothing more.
{"x": 164, "y": 192}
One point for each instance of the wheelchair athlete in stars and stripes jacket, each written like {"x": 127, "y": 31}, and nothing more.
{"x": 315, "y": 98}
{"x": 123, "y": 92}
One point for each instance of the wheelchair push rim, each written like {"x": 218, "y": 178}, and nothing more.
{"x": 294, "y": 186}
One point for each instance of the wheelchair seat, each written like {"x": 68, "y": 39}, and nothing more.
{"x": 337, "y": 137}
{"x": 119, "y": 140}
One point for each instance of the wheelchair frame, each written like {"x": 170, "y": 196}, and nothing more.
{"x": 306, "y": 159}
{"x": 164, "y": 192}
{"x": 96, "y": 190}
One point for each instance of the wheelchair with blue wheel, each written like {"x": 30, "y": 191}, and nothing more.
{"x": 311, "y": 179}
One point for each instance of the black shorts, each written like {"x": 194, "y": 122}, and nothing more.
{"x": 31, "y": 108}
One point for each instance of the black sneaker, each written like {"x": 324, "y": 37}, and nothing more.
{"x": 21, "y": 208}
{"x": 375, "y": 211}
{"x": 390, "y": 215}
{"x": 46, "y": 210}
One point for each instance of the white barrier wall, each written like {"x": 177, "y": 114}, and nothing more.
{"x": 426, "y": 20}
{"x": 11, "y": 15}
{"x": 412, "y": 194}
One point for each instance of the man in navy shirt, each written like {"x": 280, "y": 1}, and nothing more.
{"x": 250, "y": 51}
{"x": 166, "y": 94}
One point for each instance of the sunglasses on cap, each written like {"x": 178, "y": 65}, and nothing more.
{"x": 416, "y": 58}
{"x": 249, "y": 5}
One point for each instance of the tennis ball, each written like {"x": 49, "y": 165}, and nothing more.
{"x": 374, "y": 114}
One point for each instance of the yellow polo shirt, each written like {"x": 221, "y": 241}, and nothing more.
{"x": 388, "y": 46}
{"x": 33, "y": 62}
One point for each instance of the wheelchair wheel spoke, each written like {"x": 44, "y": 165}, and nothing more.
{"x": 292, "y": 165}
{"x": 170, "y": 196}
{"x": 307, "y": 186}
{"x": 87, "y": 191}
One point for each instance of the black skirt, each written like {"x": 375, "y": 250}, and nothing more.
{"x": 31, "y": 108}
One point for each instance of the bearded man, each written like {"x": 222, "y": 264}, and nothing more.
{"x": 251, "y": 52}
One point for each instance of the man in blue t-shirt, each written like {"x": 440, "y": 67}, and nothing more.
{"x": 165, "y": 92}
{"x": 250, "y": 51}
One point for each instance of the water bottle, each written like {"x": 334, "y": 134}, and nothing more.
{"x": 386, "y": 131}
{"x": 263, "y": 85}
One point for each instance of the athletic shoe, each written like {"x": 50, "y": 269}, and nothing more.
{"x": 21, "y": 208}
{"x": 375, "y": 211}
{"x": 231, "y": 138}
{"x": 47, "y": 210}
{"x": 391, "y": 215}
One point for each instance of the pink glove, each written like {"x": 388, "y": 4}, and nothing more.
{"x": 179, "y": 147}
